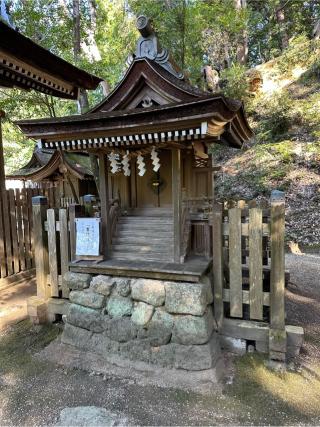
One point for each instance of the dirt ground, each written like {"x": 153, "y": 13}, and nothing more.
{"x": 33, "y": 392}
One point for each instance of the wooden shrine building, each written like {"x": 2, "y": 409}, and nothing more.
{"x": 26, "y": 65}
{"x": 152, "y": 136}
{"x": 69, "y": 173}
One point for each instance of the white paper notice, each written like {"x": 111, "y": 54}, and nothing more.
{"x": 87, "y": 236}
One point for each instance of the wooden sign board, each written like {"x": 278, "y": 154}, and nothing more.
{"x": 88, "y": 238}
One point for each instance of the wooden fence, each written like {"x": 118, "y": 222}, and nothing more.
{"x": 248, "y": 262}
{"x": 16, "y": 230}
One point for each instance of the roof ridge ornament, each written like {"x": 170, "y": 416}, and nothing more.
{"x": 148, "y": 47}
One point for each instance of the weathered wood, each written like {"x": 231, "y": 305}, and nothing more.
{"x": 2, "y": 173}
{"x": 235, "y": 268}
{"x": 246, "y": 298}
{"x": 64, "y": 249}
{"x": 75, "y": 211}
{"x": 255, "y": 264}
{"x": 217, "y": 256}
{"x": 105, "y": 206}
{"x": 7, "y": 232}
{"x": 3, "y": 264}
{"x": 52, "y": 249}
{"x": 22, "y": 256}
{"x": 14, "y": 235}
{"x": 39, "y": 208}
{"x": 277, "y": 286}
{"x": 176, "y": 202}
{"x": 26, "y": 228}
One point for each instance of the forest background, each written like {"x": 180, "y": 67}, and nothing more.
{"x": 277, "y": 38}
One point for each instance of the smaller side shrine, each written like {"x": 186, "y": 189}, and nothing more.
{"x": 70, "y": 173}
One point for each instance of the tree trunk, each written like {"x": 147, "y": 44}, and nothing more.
{"x": 242, "y": 48}
{"x": 281, "y": 20}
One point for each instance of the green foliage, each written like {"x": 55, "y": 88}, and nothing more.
{"x": 236, "y": 83}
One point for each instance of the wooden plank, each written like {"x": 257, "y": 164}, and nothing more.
{"x": 14, "y": 234}
{"x": 235, "y": 268}
{"x": 26, "y": 229}
{"x": 277, "y": 286}
{"x": 22, "y": 258}
{"x": 245, "y": 229}
{"x": 217, "y": 257}
{"x": 39, "y": 210}
{"x": 52, "y": 249}
{"x": 246, "y": 297}
{"x": 7, "y": 232}
{"x": 105, "y": 207}
{"x": 3, "y": 264}
{"x": 64, "y": 249}
{"x": 255, "y": 264}
{"x": 30, "y": 222}
{"x": 176, "y": 203}
{"x": 13, "y": 280}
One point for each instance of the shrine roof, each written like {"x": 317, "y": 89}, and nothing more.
{"x": 45, "y": 162}
{"x": 225, "y": 117}
{"x": 26, "y": 65}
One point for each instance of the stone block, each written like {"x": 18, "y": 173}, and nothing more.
{"x": 75, "y": 336}
{"x": 104, "y": 345}
{"x": 233, "y": 345}
{"x": 163, "y": 356}
{"x": 142, "y": 313}
{"x": 37, "y": 310}
{"x": 277, "y": 340}
{"x": 120, "y": 329}
{"x": 87, "y": 298}
{"x": 159, "y": 329}
{"x": 150, "y": 291}
{"x": 118, "y": 306}
{"x": 262, "y": 346}
{"x": 193, "y": 329}
{"x": 278, "y": 356}
{"x": 85, "y": 317}
{"x": 294, "y": 336}
{"x": 136, "y": 350}
{"x": 123, "y": 286}
{"x": 186, "y": 298}
{"x": 77, "y": 281}
{"x": 197, "y": 357}
{"x": 102, "y": 285}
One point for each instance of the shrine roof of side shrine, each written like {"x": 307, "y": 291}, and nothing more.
{"x": 26, "y": 65}
{"x": 153, "y": 104}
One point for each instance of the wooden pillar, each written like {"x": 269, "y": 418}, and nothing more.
{"x": 277, "y": 332}
{"x": 217, "y": 256}
{"x": 2, "y": 174}
{"x": 39, "y": 208}
{"x": 105, "y": 208}
{"x": 176, "y": 202}
{"x": 212, "y": 180}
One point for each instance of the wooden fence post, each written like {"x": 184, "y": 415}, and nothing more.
{"x": 277, "y": 337}
{"x": 39, "y": 208}
{"x": 217, "y": 255}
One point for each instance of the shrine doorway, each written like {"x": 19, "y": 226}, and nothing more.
{"x": 154, "y": 189}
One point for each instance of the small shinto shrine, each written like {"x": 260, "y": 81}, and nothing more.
{"x": 156, "y": 272}
{"x": 152, "y": 136}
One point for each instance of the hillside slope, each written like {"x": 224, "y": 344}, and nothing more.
{"x": 285, "y": 152}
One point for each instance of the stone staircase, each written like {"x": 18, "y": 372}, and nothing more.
{"x": 144, "y": 235}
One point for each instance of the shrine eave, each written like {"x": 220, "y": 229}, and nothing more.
{"x": 26, "y": 65}
{"x": 223, "y": 117}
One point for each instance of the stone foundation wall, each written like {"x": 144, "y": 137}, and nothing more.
{"x": 169, "y": 324}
